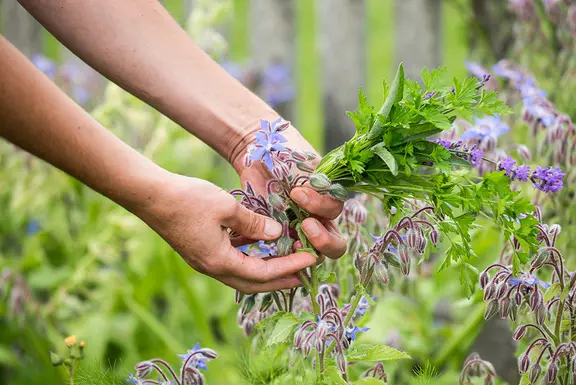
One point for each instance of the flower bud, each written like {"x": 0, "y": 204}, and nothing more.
{"x": 434, "y": 237}
{"x": 520, "y": 332}
{"x": 238, "y": 296}
{"x": 551, "y": 373}
{"x": 299, "y": 156}
{"x": 501, "y": 290}
{"x": 540, "y": 257}
{"x": 305, "y": 166}
{"x": 523, "y": 363}
{"x": 524, "y": 152}
{"x": 248, "y": 304}
{"x": 489, "y": 291}
{"x": 143, "y": 369}
{"x": 337, "y": 191}
{"x": 56, "y": 359}
{"x": 484, "y": 279}
{"x": 536, "y": 299}
{"x": 70, "y": 341}
{"x": 320, "y": 182}
{"x": 535, "y": 371}
{"x": 513, "y": 311}
{"x": 412, "y": 238}
{"x": 311, "y": 155}
{"x": 284, "y": 245}
{"x": 504, "y": 307}
{"x": 491, "y": 309}
{"x": 381, "y": 272}
{"x": 555, "y": 229}
{"x": 489, "y": 380}
{"x": 541, "y": 314}
{"x": 341, "y": 362}
{"x": 391, "y": 259}
{"x": 277, "y": 202}
{"x": 266, "y": 302}
{"x": 518, "y": 298}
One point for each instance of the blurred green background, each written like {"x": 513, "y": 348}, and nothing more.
{"x": 75, "y": 263}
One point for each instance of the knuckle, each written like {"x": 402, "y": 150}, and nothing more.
{"x": 255, "y": 223}
{"x": 212, "y": 266}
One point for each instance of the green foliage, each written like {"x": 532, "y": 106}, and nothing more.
{"x": 365, "y": 352}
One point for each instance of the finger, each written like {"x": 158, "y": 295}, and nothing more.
{"x": 251, "y": 225}
{"x": 298, "y": 245}
{"x": 266, "y": 270}
{"x": 249, "y": 287}
{"x": 324, "y": 237}
{"x": 320, "y": 205}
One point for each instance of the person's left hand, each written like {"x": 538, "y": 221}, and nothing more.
{"x": 319, "y": 228}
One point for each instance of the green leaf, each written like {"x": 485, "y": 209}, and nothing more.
{"x": 283, "y": 329}
{"x": 551, "y": 292}
{"x": 525, "y": 379}
{"x": 387, "y": 157}
{"x": 369, "y": 381}
{"x": 468, "y": 278}
{"x": 394, "y": 96}
{"x": 332, "y": 376}
{"x": 366, "y": 352}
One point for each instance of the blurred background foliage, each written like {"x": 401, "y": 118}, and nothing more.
{"x": 73, "y": 262}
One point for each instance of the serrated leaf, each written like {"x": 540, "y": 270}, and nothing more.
{"x": 332, "y": 376}
{"x": 366, "y": 352}
{"x": 551, "y": 292}
{"x": 284, "y": 327}
{"x": 369, "y": 381}
{"x": 387, "y": 157}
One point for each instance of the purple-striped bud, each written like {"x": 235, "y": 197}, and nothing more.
{"x": 320, "y": 182}
{"x": 208, "y": 353}
{"x": 359, "y": 262}
{"x": 143, "y": 369}
{"x": 246, "y": 161}
{"x": 484, "y": 279}
{"x": 489, "y": 291}
{"x": 341, "y": 362}
{"x": 434, "y": 237}
{"x": 321, "y": 332}
{"x": 536, "y": 299}
{"x": 248, "y": 304}
{"x": 278, "y": 173}
{"x": 535, "y": 371}
{"x": 551, "y": 373}
{"x": 412, "y": 238}
{"x": 266, "y": 302}
{"x": 520, "y": 332}
{"x": 501, "y": 290}
{"x": 523, "y": 363}
{"x": 404, "y": 259}
{"x": 305, "y": 166}
{"x": 298, "y": 338}
{"x": 555, "y": 229}
{"x": 513, "y": 311}
{"x": 277, "y": 202}
{"x": 491, "y": 309}
{"x": 238, "y": 296}
{"x": 299, "y": 156}
{"x": 541, "y": 257}
{"x": 541, "y": 315}
{"x": 337, "y": 191}
{"x": 489, "y": 380}
{"x": 422, "y": 244}
{"x": 504, "y": 307}
{"x": 518, "y": 298}
{"x": 192, "y": 376}
{"x": 524, "y": 153}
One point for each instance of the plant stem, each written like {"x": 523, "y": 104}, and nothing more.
{"x": 71, "y": 373}
{"x": 559, "y": 313}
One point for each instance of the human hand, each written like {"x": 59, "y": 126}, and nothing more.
{"x": 193, "y": 215}
{"x": 319, "y": 229}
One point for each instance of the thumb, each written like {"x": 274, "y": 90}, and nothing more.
{"x": 252, "y": 225}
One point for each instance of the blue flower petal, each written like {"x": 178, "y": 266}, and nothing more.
{"x": 258, "y": 154}
{"x": 268, "y": 161}
{"x": 515, "y": 281}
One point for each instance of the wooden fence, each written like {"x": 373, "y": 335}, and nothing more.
{"x": 333, "y": 47}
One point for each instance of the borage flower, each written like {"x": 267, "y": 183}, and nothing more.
{"x": 267, "y": 140}
{"x": 528, "y": 280}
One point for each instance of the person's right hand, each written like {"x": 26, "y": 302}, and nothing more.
{"x": 193, "y": 215}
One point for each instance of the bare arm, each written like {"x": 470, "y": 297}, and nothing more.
{"x": 139, "y": 46}
{"x": 190, "y": 214}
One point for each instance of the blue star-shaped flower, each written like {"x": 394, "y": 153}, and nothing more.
{"x": 133, "y": 380}
{"x": 197, "y": 363}
{"x": 267, "y": 140}
{"x": 528, "y": 280}
{"x": 351, "y": 333}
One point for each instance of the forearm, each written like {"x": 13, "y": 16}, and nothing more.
{"x": 36, "y": 116}
{"x": 139, "y": 46}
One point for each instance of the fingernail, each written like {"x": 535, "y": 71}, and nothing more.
{"x": 300, "y": 196}
{"x": 272, "y": 228}
{"x": 311, "y": 228}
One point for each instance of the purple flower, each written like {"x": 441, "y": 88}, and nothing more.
{"x": 476, "y": 69}
{"x": 244, "y": 248}
{"x": 487, "y": 127}
{"x": 268, "y": 248}
{"x": 476, "y": 156}
{"x": 47, "y": 66}
{"x": 351, "y": 333}
{"x": 268, "y": 140}
{"x": 277, "y": 86}
{"x": 430, "y": 95}
{"x": 33, "y": 227}
{"x": 522, "y": 173}
{"x": 507, "y": 164}
{"x": 195, "y": 362}
{"x": 548, "y": 179}
{"x": 528, "y": 280}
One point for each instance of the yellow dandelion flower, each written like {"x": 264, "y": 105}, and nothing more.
{"x": 70, "y": 341}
